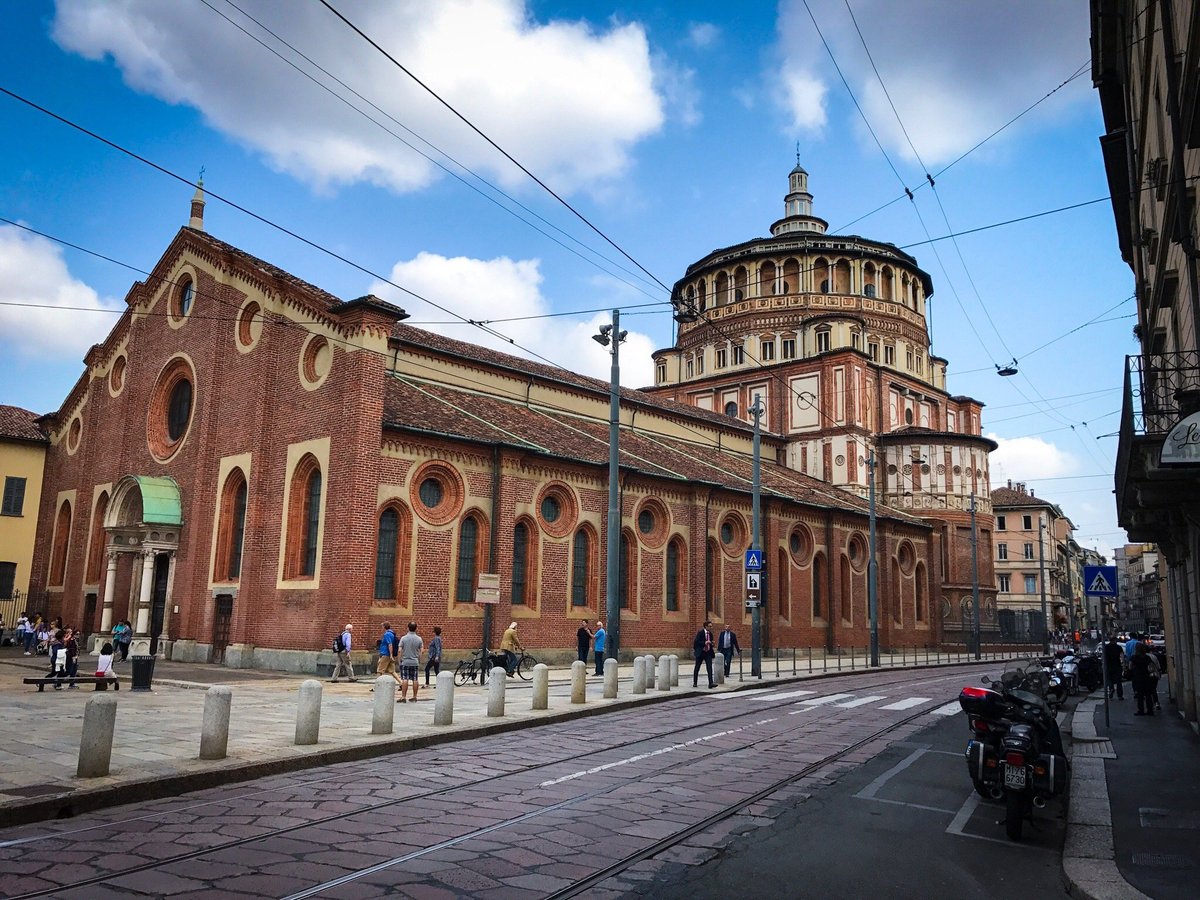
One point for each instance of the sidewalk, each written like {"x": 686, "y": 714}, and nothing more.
{"x": 1134, "y": 818}
{"x": 157, "y": 739}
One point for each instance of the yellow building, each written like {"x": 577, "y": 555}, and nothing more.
{"x": 22, "y": 457}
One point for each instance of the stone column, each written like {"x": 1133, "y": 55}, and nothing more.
{"x": 383, "y": 714}
{"x": 541, "y": 686}
{"x": 639, "y": 675}
{"x": 110, "y": 587}
{"x": 308, "y": 712}
{"x": 167, "y": 605}
{"x": 664, "y": 673}
{"x": 651, "y": 670}
{"x": 578, "y": 682}
{"x": 674, "y": 670}
{"x": 142, "y": 624}
{"x": 497, "y": 682}
{"x": 443, "y": 699}
{"x": 610, "y": 679}
{"x": 214, "y": 731}
{"x": 95, "y": 744}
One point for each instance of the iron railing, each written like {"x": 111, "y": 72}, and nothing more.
{"x": 1155, "y": 385}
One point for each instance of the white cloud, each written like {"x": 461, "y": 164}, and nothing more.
{"x": 956, "y": 71}
{"x": 60, "y": 316}
{"x": 703, "y": 34}
{"x": 489, "y": 289}
{"x": 1027, "y": 459}
{"x": 568, "y": 101}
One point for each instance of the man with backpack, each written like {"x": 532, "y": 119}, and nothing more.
{"x": 341, "y": 646}
{"x": 387, "y": 653}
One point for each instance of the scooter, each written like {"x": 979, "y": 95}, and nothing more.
{"x": 1068, "y": 670}
{"x": 1016, "y": 751}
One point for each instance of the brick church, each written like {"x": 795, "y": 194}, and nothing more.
{"x": 249, "y": 462}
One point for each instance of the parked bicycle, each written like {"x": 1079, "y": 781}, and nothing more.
{"x": 482, "y": 661}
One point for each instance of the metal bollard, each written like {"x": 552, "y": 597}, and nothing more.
{"x": 664, "y": 673}
{"x": 383, "y": 717}
{"x": 578, "y": 682}
{"x": 639, "y": 674}
{"x": 793, "y": 660}
{"x": 541, "y": 686}
{"x": 674, "y": 670}
{"x": 777, "y": 663}
{"x": 497, "y": 682}
{"x": 214, "y": 732}
{"x": 443, "y": 699}
{"x": 95, "y": 744}
{"x": 610, "y": 679}
{"x": 810, "y": 660}
{"x": 308, "y": 712}
{"x": 741, "y": 670}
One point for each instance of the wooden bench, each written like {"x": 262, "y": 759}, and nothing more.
{"x": 100, "y": 681}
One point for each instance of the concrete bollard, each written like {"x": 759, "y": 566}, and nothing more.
{"x": 719, "y": 669}
{"x": 443, "y": 699}
{"x": 308, "y": 712}
{"x": 541, "y": 686}
{"x": 651, "y": 671}
{"x": 639, "y": 675}
{"x": 578, "y": 682}
{"x": 674, "y": 670}
{"x": 214, "y": 732}
{"x": 497, "y": 682}
{"x": 610, "y": 679}
{"x": 95, "y": 744}
{"x": 664, "y": 673}
{"x": 384, "y": 715}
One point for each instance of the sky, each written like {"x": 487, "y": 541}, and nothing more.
{"x": 669, "y": 127}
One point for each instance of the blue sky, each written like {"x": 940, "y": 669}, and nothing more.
{"x": 671, "y": 127}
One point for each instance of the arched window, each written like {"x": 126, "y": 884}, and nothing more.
{"x": 766, "y": 279}
{"x": 897, "y": 594}
{"x": 96, "y": 547}
{"x": 385, "y": 554}
{"x": 701, "y": 289}
{"x": 739, "y": 284}
{"x": 304, "y": 519}
{"x": 731, "y": 409}
{"x": 869, "y": 280}
{"x": 783, "y": 575}
{"x": 847, "y": 586}
{"x": 841, "y": 277}
{"x": 62, "y": 537}
{"x": 231, "y": 528}
{"x": 818, "y": 584}
{"x": 886, "y": 283}
{"x": 580, "y": 568}
{"x": 623, "y": 591}
{"x": 464, "y": 580}
{"x": 919, "y": 585}
{"x": 674, "y": 553}
{"x": 791, "y": 276}
{"x": 312, "y": 523}
{"x": 721, "y": 289}
{"x": 711, "y": 587}
{"x": 520, "y": 564}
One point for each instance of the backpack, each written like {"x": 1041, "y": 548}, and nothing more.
{"x": 337, "y": 643}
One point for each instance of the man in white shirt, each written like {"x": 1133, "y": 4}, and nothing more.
{"x": 343, "y": 664}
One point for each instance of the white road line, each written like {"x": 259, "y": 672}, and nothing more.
{"x": 861, "y": 701}
{"x": 786, "y": 695}
{"x": 949, "y": 709}
{"x": 907, "y": 703}
{"x": 818, "y": 701}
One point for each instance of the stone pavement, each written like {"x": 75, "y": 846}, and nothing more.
{"x": 156, "y": 747}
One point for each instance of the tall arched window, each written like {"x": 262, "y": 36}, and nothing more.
{"x": 464, "y": 581}
{"x": 231, "y": 528}
{"x": 674, "y": 552}
{"x": 711, "y": 587}
{"x": 312, "y": 523}
{"x": 919, "y": 585}
{"x": 623, "y": 573}
{"x": 96, "y": 546}
{"x": 520, "y": 564}
{"x": 62, "y": 537}
{"x": 818, "y": 584}
{"x": 304, "y": 519}
{"x": 766, "y": 279}
{"x": 385, "y": 554}
{"x": 580, "y": 565}
{"x": 847, "y": 586}
{"x": 783, "y": 575}
{"x": 721, "y": 289}
{"x": 897, "y": 594}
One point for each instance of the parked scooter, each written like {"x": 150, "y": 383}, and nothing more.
{"x": 1016, "y": 752}
{"x": 1068, "y": 671}
{"x": 1091, "y": 671}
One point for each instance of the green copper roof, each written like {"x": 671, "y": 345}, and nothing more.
{"x": 160, "y": 500}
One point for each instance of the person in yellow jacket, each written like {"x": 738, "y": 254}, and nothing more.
{"x": 509, "y": 645}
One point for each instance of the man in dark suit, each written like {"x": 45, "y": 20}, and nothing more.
{"x": 727, "y": 643}
{"x": 703, "y": 649}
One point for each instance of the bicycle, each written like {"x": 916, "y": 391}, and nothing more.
{"x": 468, "y": 670}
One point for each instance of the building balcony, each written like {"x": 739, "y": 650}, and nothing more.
{"x": 1160, "y": 389}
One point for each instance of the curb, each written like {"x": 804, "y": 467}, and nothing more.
{"x": 1089, "y": 860}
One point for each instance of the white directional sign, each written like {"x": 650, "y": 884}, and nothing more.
{"x": 753, "y": 581}
{"x": 754, "y": 560}
{"x": 1100, "y": 581}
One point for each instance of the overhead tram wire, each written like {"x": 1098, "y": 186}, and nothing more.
{"x": 366, "y": 37}
{"x": 431, "y": 159}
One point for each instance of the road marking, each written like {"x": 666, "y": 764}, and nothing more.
{"x": 1152, "y": 817}
{"x": 831, "y": 698}
{"x": 786, "y": 695}
{"x": 948, "y": 710}
{"x": 861, "y": 701}
{"x": 907, "y": 703}
{"x": 963, "y": 816}
{"x": 639, "y": 757}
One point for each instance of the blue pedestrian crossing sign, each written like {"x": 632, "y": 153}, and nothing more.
{"x": 754, "y": 560}
{"x": 1100, "y": 581}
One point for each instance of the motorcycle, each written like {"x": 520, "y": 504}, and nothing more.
{"x": 1068, "y": 670}
{"x": 1091, "y": 672}
{"x": 1016, "y": 752}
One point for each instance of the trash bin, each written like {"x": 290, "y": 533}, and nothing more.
{"x": 143, "y": 673}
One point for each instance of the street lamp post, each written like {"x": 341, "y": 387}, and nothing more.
{"x": 611, "y": 336}
{"x": 872, "y": 568}
{"x": 1042, "y": 583}
{"x": 756, "y": 542}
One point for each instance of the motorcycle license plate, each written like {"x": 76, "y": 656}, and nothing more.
{"x": 1014, "y": 777}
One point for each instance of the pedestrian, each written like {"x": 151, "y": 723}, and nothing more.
{"x": 2, "y": 627}
{"x": 702, "y": 650}
{"x": 58, "y": 658}
{"x": 1113, "y": 654}
{"x": 71, "y": 648}
{"x": 435, "y": 654}
{"x": 104, "y": 663}
{"x": 1156, "y": 671}
{"x": 122, "y": 636}
{"x": 1140, "y": 672}
{"x": 727, "y": 643}
{"x": 342, "y": 645}
{"x": 411, "y": 646}
{"x": 583, "y": 638}
{"x": 27, "y": 633}
{"x": 509, "y": 644}
{"x": 387, "y": 653}
{"x": 598, "y": 639}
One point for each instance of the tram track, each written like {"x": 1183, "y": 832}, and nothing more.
{"x": 866, "y": 679}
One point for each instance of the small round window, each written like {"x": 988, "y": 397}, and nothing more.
{"x": 551, "y": 508}
{"x": 431, "y": 493}
{"x": 726, "y": 533}
{"x": 179, "y": 410}
{"x": 731, "y": 409}
{"x": 645, "y": 521}
{"x": 795, "y": 543}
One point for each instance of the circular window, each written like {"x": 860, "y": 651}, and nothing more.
{"x": 646, "y": 521}
{"x": 653, "y": 522}
{"x": 794, "y": 543}
{"x": 906, "y": 557}
{"x": 800, "y": 543}
{"x": 733, "y": 534}
{"x": 908, "y": 417}
{"x": 316, "y": 359}
{"x": 74, "y": 433}
{"x": 856, "y": 550}
{"x": 249, "y": 326}
{"x": 116, "y": 377}
{"x": 551, "y": 508}
{"x": 731, "y": 409}
{"x": 171, "y": 407}
{"x": 431, "y": 493}
{"x": 726, "y": 533}
{"x": 436, "y": 491}
{"x": 557, "y": 509}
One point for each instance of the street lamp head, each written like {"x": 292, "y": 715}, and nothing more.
{"x": 602, "y": 339}
{"x": 621, "y": 337}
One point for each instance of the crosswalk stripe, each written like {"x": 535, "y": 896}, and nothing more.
{"x": 861, "y": 701}
{"x": 819, "y": 701}
{"x": 786, "y": 695}
{"x": 907, "y": 703}
{"x": 948, "y": 710}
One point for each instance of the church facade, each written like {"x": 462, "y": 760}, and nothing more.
{"x": 248, "y": 462}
